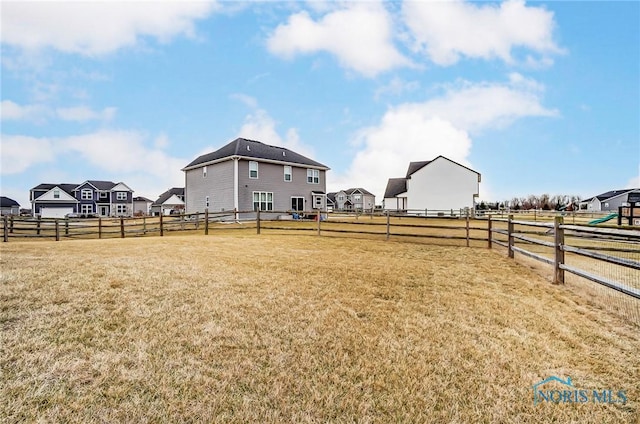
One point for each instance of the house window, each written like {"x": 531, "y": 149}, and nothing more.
{"x": 121, "y": 195}
{"x": 86, "y": 194}
{"x": 103, "y": 195}
{"x": 287, "y": 173}
{"x": 56, "y": 194}
{"x": 206, "y": 202}
{"x": 253, "y": 169}
{"x": 297, "y": 204}
{"x": 204, "y": 172}
{"x": 121, "y": 209}
{"x": 341, "y": 197}
{"x": 313, "y": 176}
{"x": 262, "y": 200}
{"x": 357, "y": 197}
{"x": 86, "y": 208}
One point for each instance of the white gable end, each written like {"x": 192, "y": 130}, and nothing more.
{"x": 442, "y": 185}
{"x": 173, "y": 200}
{"x": 121, "y": 187}
{"x": 50, "y": 195}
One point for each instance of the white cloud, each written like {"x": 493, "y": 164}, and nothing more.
{"x": 84, "y": 113}
{"x": 21, "y": 152}
{"x": 260, "y": 126}
{"x": 97, "y": 28}
{"x": 487, "y": 105}
{"x": 359, "y": 34}
{"x": 445, "y": 31}
{"x": 126, "y": 156}
{"x": 396, "y": 87}
{"x": 440, "y": 126}
{"x": 13, "y": 111}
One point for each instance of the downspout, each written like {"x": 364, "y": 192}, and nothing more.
{"x": 235, "y": 183}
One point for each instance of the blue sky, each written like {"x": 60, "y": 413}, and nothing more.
{"x": 539, "y": 97}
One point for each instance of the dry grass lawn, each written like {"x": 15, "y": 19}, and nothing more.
{"x": 238, "y": 327}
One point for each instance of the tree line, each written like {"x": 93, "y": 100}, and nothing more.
{"x": 547, "y": 202}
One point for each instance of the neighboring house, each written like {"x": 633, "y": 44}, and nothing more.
{"x": 331, "y": 202}
{"x": 141, "y": 206}
{"x": 354, "y": 199}
{"x": 247, "y": 175}
{"x": 609, "y": 201}
{"x": 101, "y": 198}
{"x": 438, "y": 185}
{"x": 9, "y": 206}
{"x": 171, "y": 201}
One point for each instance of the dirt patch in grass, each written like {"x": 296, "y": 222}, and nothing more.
{"x": 295, "y": 328}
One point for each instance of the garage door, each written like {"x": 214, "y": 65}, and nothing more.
{"x": 55, "y": 212}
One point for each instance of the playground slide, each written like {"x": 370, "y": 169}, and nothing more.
{"x": 604, "y": 219}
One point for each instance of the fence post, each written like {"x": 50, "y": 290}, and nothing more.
{"x": 5, "y": 233}
{"x": 558, "y": 277}
{"x": 66, "y": 226}
{"x": 388, "y": 225}
{"x": 235, "y": 214}
{"x": 510, "y": 234}
{"x": 57, "y": 230}
{"x": 161, "y": 229}
{"x": 144, "y": 225}
{"x": 489, "y": 228}
{"x": 467, "y": 228}
{"x": 99, "y": 228}
{"x": 206, "y": 221}
{"x": 258, "y": 221}
{"x": 38, "y": 226}
{"x": 319, "y": 220}
{"x": 11, "y": 224}
{"x": 121, "y": 227}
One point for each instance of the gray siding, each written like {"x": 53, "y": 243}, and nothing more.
{"x": 271, "y": 179}
{"x": 218, "y": 185}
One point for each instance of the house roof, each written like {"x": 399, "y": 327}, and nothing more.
{"x": 254, "y": 149}
{"x": 141, "y": 199}
{"x": 415, "y": 166}
{"x": 609, "y": 194}
{"x": 361, "y": 190}
{"x": 177, "y": 191}
{"x": 331, "y": 197}
{"x": 395, "y": 186}
{"x": 6, "y": 202}
{"x": 68, "y": 188}
{"x": 99, "y": 185}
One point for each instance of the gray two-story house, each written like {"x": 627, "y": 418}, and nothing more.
{"x": 247, "y": 175}
{"x": 353, "y": 199}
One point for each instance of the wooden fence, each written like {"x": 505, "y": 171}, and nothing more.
{"x": 546, "y": 242}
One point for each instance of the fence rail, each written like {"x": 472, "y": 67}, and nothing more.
{"x": 546, "y": 242}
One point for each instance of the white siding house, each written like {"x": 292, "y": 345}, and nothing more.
{"x": 609, "y": 201}
{"x": 437, "y": 185}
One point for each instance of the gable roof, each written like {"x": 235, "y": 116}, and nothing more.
{"x": 6, "y": 202}
{"x": 416, "y": 166}
{"x": 98, "y": 185}
{"x": 361, "y": 190}
{"x": 66, "y": 187}
{"x": 610, "y": 194}
{"x": 141, "y": 199}
{"x": 175, "y": 191}
{"x": 395, "y": 186}
{"x": 241, "y": 147}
